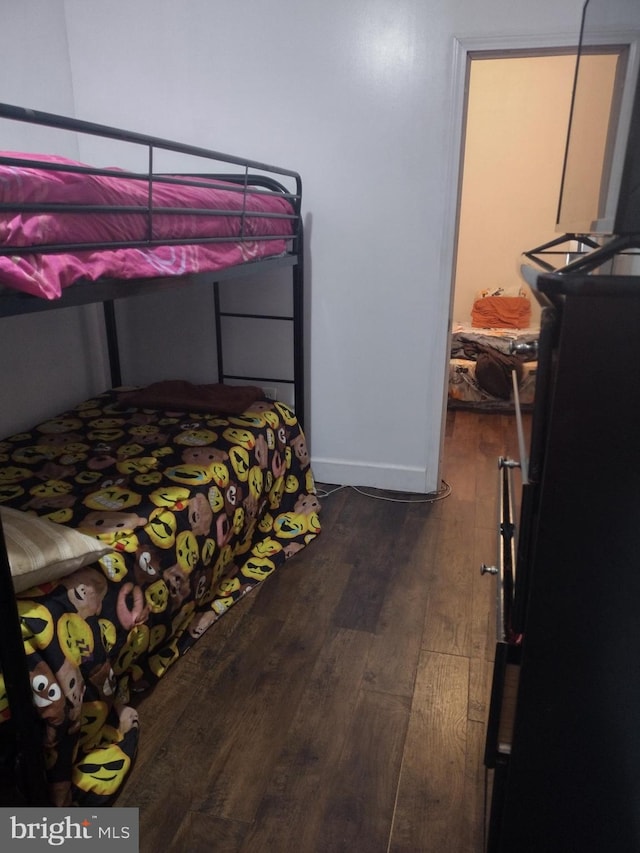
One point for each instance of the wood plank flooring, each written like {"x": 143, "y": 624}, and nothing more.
{"x": 341, "y": 706}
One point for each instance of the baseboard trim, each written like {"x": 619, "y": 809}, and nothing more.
{"x": 399, "y": 478}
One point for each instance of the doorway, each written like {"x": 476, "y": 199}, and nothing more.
{"x": 514, "y": 136}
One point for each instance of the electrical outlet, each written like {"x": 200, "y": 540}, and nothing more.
{"x": 270, "y": 391}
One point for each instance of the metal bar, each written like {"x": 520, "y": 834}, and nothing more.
{"x": 86, "y": 293}
{"x": 495, "y": 703}
{"x": 255, "y": 316}
{"x": 500, "y": 729}
{"x": 298, "y": 330}
{"x": 548, "y": 247}
{"x": 297, "y": 317}
{"x": 524, "y": 463}
{"x": 501, "y": 633}
{"x": 218, "y": 324}
{"x": 225, "y": 181}
{"x": 47, "y": 249}
{"x": 602, "y": 254}
{"x": 258, "y": 378}
{"x": 150, "y": 196}
{"x": 243, "y": 219}
{"x": 111, "y": 329}
{"x": 506, "y": 551}
{"x": 29, "y": 768}
{"x": 208, "y": 180}
{"x": 9, "y": 111}
{"x": 142, "y": 210}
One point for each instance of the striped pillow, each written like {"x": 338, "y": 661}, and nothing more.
{"x": 40, "y": 550}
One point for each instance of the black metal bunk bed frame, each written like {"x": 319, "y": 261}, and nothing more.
{"x": 25, "y": 762}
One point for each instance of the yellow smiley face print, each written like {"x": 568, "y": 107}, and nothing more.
{"x": 75, "y": 638}
{"x": 189, "y": 475}
{"x": 56, "y": 426}
{"x": 242, "y": 437}
{"x": 10, "y": 491}
{"x": 216, "y": 499}
{"x": 36, "y": 625}
{"x": 102, "y": 771}
{"x": 50, "y": 489}
{"x": 187, "y": 551}
{"x": 108, "y": 633}
{"x": 175, "y": 497}
{"x": 113, "y": 566}
{"x": 257, "y": 568}
{"x": 239, "y": 457}
{"x": 208, "y": 551}
{"x": 162, "y": 527}
{"x": 290, "y": 524}
{"x": 137, "y": 464}
{"x": 157, "y": 596}
{"x": 196, "y": 437}
{"x": 286, "y": 413}
{"x": 291, "y": 484}
{"x": 162, "y": 660}
{"x": 93, "y": 716}
{"x": 13, "y": 474}
{"x": 112, "y": 497}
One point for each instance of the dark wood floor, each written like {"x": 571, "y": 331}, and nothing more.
{"x": 342, "y": 706}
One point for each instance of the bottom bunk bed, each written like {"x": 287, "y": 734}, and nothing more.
{"x": 132, "y": 523}
{"x": 492, "y": 352}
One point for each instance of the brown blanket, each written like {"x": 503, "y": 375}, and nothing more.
{"x": 511, "y": 312}
{"x": 184, "y": 396}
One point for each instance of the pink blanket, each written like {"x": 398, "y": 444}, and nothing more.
{"x": 252, "y": 222}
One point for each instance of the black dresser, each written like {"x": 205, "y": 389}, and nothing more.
{"x": 563, "y": 738}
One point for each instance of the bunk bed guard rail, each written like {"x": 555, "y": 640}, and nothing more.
{"x": 255, "y": 177}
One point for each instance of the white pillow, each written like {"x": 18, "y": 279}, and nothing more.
{"x": 40, "y": 550}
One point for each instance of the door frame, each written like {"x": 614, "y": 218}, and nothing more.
{"x": 465, "y": 49}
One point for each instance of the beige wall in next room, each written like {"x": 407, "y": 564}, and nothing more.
{"x": 517, "y": 118}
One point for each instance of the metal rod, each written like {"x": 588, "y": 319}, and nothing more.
{"x": 259, "y": 378}
{"x": 150, "y": 196}
{"x": 111, "y": 329}
{"x": 246, "y": 315}
{"x": 524, "y": 463}
{"x": 298, "y": 330}
{"x": 218, "y": 324}
{"x": 29, "y": 767}
{"x": 55, "y": 248}
{"x": 506, "y": 551}
{"x": 9, "y": 111}
{"x": 209, "y": 180}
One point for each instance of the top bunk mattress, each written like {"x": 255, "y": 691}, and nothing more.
{"x": 62, "y": 221}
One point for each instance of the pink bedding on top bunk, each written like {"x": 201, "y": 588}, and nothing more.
{"x": 46, "y": 275}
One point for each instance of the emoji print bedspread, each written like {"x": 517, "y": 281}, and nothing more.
{"x": 199, "y": 508}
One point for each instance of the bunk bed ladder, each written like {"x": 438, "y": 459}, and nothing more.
{"x": 296, "y": 318}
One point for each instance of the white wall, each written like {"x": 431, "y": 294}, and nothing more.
{"x": 43, "y": 363}
{"x": 357, "y": 97}
{"x": 35, "y": 67}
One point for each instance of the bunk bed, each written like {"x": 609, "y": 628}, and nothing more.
{"x": 494, "y": 356}
{"x": 131, "y": 522}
